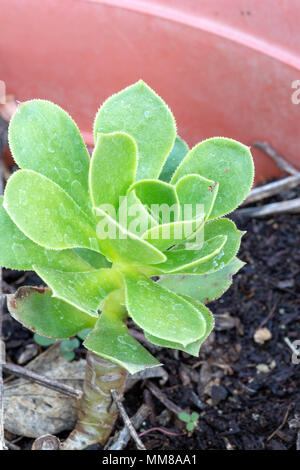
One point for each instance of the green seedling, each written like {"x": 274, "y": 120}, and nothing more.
{"x": 43, "y": 340}
{"x": 96, "y": 229}
{"x": 67, "y": 346}
{"x": 191, "y": 420}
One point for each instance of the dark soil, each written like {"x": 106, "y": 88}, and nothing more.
{"x": 239, "y": 407}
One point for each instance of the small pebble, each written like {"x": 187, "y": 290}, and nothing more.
{"x": 262, "y": 335}
{"x": 262, "y": 368}
{"x": 286, "y": 283}
{"x": 30, "y": 351}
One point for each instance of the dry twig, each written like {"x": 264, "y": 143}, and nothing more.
{"x": 127, "y": 421}
{"x": 11, "y": 445}
{"x": 270, "y": 314}
{"x": 124, "y": 435}
{"x": 163, "y": 399}
{"x": 282, "y": 424}
{"x": 292, "y": 205}
{"x": 278, "y": 159}
{"x": 275, "y": 187}
{"x": 42, "y": 380}
{"x": 268, "y": 190}
{"x": 163, "y": 431}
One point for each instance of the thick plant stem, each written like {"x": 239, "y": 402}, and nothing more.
{"x": 97, "y": 412}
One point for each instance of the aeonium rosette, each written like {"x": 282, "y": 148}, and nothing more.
{"x": 97, "y": 230}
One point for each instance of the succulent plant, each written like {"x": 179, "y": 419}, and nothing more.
{"x": 95, "y": 229}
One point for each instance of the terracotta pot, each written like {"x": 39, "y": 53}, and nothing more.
{"x": 224, "y": 67}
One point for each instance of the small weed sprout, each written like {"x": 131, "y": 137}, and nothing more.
{"x": 191, "y": 420}
{"x": 67, "y": 346}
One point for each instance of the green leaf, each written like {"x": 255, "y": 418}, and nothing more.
{"x": 113, "y": 168}
{"x": 209, "y": 321}
{"x": 141, "y": 113}
{"x": 46, "y": 213}
{"x": 94, "y": 259}
{"x": 223, "y": 160}
{"x": 190, "y": 426}
{"x": 68, "y": 355}
{"x": 228, "y": 252}
{"x": 165, "y": 236}
{"x": 84, "y": 291}
{"x": 161, "y": 312}
{"x": 194, "y": 347}
{"x": 36, "y": 309}
{"x": 175, "y": 157}
{"x": 84, "y": 333}
{"x": 177, "y": 260}
{"x": 195, "y": 416}
{"x": 204, "y": 288}
{"x": 122, "y": 246}
{"x": 193, "y": 190}
{"x": 160, "y": 198}
{"x": 185, "y": 417}
{"x": 69, "y": 345}
{"x": 44, "y": 138}
{"x": 137, "y": 217}
{"x": 42, "y": 340}
{"x": 110, "y": 339}
{"x": 19, "y": 252}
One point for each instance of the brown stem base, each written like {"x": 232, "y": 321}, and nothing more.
{"x": 97, "y": 412}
